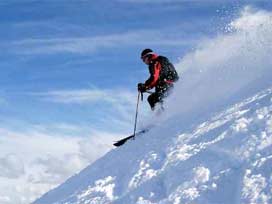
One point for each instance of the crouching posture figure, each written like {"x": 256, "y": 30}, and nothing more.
{"x": 162, "y": 77}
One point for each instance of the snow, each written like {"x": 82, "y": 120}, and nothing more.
{"x": 101, "y": 192}
{"x": 214, "y": 143}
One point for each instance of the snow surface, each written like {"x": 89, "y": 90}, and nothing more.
{"x": 214, "y": 143}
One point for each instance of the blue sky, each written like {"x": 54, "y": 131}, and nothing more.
{"x": 73, "y": 45}
{"x": 69, "y": 71}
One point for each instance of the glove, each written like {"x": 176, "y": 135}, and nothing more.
{"x": 141, "y": 87}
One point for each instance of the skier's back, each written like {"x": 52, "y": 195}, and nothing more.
{"x": 162, "y": 77}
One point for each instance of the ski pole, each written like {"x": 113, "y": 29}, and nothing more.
{"x": 136, "y": 116}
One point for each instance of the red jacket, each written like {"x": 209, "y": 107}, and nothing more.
{"x": 154, "y": 70}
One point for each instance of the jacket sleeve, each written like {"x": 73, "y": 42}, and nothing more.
{"x": 154, "y": 71}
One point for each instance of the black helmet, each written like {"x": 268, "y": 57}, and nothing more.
{"x": 146, "y": 52}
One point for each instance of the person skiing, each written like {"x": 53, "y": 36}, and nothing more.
{"x": 162, "y": 77}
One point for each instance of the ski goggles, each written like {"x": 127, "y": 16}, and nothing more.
{"x": 146, "y": 55}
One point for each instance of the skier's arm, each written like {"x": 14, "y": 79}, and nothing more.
{"x": 154, "y": 75}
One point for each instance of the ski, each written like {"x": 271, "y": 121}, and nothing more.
{"x": 123, "y": 141}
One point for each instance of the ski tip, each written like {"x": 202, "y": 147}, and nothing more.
{"x": 122, "y": 141}
{"x": 118, "y": 143}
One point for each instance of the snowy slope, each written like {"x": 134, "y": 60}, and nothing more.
{"x": 214, "y": 143}
{"x": 226, "y": 159}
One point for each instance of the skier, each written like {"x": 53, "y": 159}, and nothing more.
{"x": 162, "y": 76}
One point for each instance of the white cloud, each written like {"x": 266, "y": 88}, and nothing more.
{"x": 150, "y": 1}
{"x": 85, "y": 45}
{"x": 118, "y": 104}
{"x": 122, "y": 100}
{"x": 97, "y": 140}
{"x": 55, "y": 169}
{"x": 74, "y": 96}
{"x": 37, "y": 160}
{"x": 175, "y": 1}
{"x": 162, "y": 1}
{"x": 3, "y": 101}
{"x": 82, "y": 96}
{"x": 11, "y": 166}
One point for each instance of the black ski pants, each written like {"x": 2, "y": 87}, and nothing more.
{"x": 161, "y": 91}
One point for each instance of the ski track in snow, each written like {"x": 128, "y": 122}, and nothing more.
{"x": 226, "y": 159}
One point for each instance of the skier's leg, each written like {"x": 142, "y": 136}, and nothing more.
{"x": 153, "y": 99}
{"x": 163, "y": 92}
